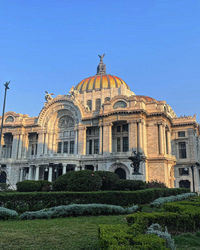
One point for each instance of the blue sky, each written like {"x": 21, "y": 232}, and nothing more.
{"x": 154, "y": 46}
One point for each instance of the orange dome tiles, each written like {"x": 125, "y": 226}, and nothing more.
{"x": 100, "y": 82}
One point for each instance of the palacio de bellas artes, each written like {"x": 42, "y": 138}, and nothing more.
{"x": 98, "y": 125}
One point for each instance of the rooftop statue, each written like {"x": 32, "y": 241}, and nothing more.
{"x": 101, "y": 57}
{"x": 48, "y": 97}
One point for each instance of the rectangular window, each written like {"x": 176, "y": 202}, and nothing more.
{"x": 118, "y": 144}
{"x": 96, "y": 146}
{"x": 98, "y": 104}
{"x": 59, "y": 147}
{"x": 183, "y": 171}
{"x": 65, "y": 148}
{"x": 181, "y": 133}
{"x": 118, "y": 129}
{"x": 90, "y": 147}
{"x": 182, "y": 150}
{"x": 71, "y": 150}
{"x": 125, "y": 144}
{"x": 89, "y": 104}
{"x": 125, "y": 128}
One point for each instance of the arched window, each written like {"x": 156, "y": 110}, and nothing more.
{"x": 107, "y": 99}
{"x": 121, "y": 173}
{"x": 184, "y": 184}
{"x": 66, "y": 136}
{"x": 120, "y": 104}
{"x": 9, "y": 119}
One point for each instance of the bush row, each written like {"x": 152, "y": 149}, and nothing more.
{"x": 87, "y": 180}
{"x": 178, "y": 217}
{"x": 77, "y": 210}
{"x": 160, "y": 201}
{"x": 121, "y": 237}
{"x": 33, "y": 201}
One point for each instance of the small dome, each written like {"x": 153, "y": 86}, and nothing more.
{"x": 101, "y": 80}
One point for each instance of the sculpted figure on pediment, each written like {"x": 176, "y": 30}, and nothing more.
{"x": 66, "y": 122}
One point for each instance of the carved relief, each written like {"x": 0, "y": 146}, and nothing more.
{"x": 66, "y": 122}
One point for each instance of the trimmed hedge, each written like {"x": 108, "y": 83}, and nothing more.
{"x": 77, "y": 210}
{"x": 22, "y": 202}
{"x": 160, "y": 201}
{"x": 32, "y": 186}
{"x": 130, "y": 185}
{"x": 77, "y": 181}
{"x": 6, "y": 214}
{"x": 178, "y": 217}
{"x": 120, "y": 237}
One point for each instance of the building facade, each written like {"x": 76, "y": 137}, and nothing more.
{"x": 97, "y": 126}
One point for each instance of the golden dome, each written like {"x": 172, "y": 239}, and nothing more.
{"x": 101, "y": 80}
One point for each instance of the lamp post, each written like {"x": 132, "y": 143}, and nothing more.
{"x": 4, "y": 104}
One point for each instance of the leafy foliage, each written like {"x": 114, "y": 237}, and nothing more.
{"x": 85, "y": 180}
{"x": 77, "y": 210}
{"x": 6, "y": 213}
{"x": 158, "y": 202}
{"x": 120, "y": 237}
{"x": 33, "y": 201}
{"x": 109, "y": 180}
{"x": 32, "y": 186}
{"x": 130, "y": 185}
{"x": 157, "y": 230}
{"x": 155, "y": 184}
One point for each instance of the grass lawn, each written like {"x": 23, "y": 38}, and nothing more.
{"x": 63, "y": 233}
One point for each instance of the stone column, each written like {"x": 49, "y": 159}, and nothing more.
{"x": 64, "y": 168}
{"x": 132, "y": 135}
{"x": 15, "y": 146}
{"x": 30, "y": 173}
{"x": 40, "y": 144}
{"x": 76, "y": 141}
{"x": 169, "y": 142}
{"x": 107, "y": 138}
{"x": 50, "y": 173}
{"x": 37, "y": 172}
{"x": 21, "y": 174}
{"x": 139, "y": 136}
{"x": 100, "y": 139}
{"x": 50, "y": 143}
{"x": 82, "y": 140}
{"x": 19, "y": 154}
{"x": 25, "y": 145}
{"x": 46, "y": 143}
{"x": 160, "y": 138}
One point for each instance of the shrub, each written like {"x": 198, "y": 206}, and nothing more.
{"x": 32, "y": 186}
{"x": 155, "y": 184}
{"x": 4, "y": 187}
{"x": 7, "y": 213}
{"x": 130, "y": 185}
{"x": 119, "y": 237}
{"x": 39, "y": 200}
{"x": 77, "y": 210}
{"x": 157, "y": 230}
{"x": 85, "y": 180}
{"x": 28, "y": 186}
{"x": 109, "y": 180}
{"x": 158, "y": 202}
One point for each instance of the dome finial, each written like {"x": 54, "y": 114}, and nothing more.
{"x": 101, "y": 68}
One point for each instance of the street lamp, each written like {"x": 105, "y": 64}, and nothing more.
{"x": 4, "y": 104}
